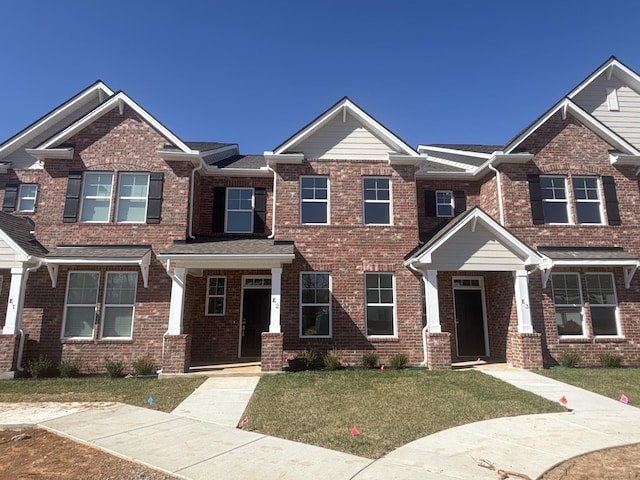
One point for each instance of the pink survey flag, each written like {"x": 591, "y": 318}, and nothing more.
{"x": 563, "y": 400}
{"x": 624, "y": 399}
{"x": 354, "y": 431}
{"x": 244, "y": 421}
{"x": 382, "y": 367}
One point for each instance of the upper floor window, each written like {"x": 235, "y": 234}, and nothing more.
{"x": 380, "y": 313}
{"x": 22, "y": 197}
{"x": 603, "y": 304}
{"x": 133, "y": 190}
{"x": 376, "y": 192}
{"x": 315, "y": 304}
{"x": 444, "y": 203}
{"x": 96, "y": 197}
{"x": 216, "y": 287}
{"x": 239, "y": 210}
{"x": 567, "y": 298}
{"x": 587, "y": 197}
{"x": 554, "y": 199}
{"x": 314, "y": 200}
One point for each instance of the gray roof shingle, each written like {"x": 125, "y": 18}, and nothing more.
{"x": 101, "y": 252}
{"x": 467, "y": 147}
{"x": 244, "y": 246}
{"x": 586, "y": 253}
{"x": 20, "y": 231}
{"x": 241, "y": 161}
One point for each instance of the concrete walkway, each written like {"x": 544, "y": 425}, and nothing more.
{"x": 198, "y": 440}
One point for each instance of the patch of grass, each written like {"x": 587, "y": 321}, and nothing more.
{"x": 610, "y": 382}
{"x": 390, "y": 408}
{"x": 167, "y": 393}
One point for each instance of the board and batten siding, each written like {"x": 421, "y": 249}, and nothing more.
{"x": 348, "y": 140}
{"x": 475, "y": 250}
{"x": 625, "y": 121}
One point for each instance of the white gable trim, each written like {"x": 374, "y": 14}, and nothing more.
{"x": 20, "y": 254}
{"x": 342, "y": 108}
{"x": 567, "y": 105}
{"x": 610, "y": 68}
{"x": 118, "y": 100}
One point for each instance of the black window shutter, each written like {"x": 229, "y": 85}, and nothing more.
{"x": 535, "y": 195}
{"x": 430, "y": 203}
{"x": 219, "y": 197}
{"x": 611, "y": 199}
{"x": 72, "y": 200}
{"x": 10, "y": 197}
{"x": 154, "y": 198}
{"x": 459, "y": 202}
{"x": 259, "y": 210}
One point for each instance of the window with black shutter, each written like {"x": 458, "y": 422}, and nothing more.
{"x": 72, "y": 198}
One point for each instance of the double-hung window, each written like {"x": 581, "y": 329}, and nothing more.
{"x": 603, "y": 304}
{"x": 379, "y": 291}
{"x": 315, "y": 304}
{"x": 216, "y": 287}
{"x": 80, "y": 306}
{"x": 444, "y": 203}
{"x": 376, "y": 192}
{"x": 567, "y": 298}
{"x": 119, "y": 303}
{"x": 27, "y": 194}
{"x": 554, "y": 199}
{"x": 586, "y": 196}
{"x": 314, "y": 200}
{"x": 133, "y": 190}
{"x": 239, "y": 212}
{"x": 96, "y": 197}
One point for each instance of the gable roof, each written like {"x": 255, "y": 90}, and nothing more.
{"x": 16, "y": 232}
{"x": 609, "y": 67}
{"x": 342, "y": 107}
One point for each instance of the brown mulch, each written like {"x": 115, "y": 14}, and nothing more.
{"x": 49, "y": 456}
{"x": 620, "y": 463}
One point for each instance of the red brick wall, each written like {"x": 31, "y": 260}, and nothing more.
{"x": 473, "y": 193}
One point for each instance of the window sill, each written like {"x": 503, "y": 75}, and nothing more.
{"x": 568, "y": 339}
{"x": 310, "y": 337}
{"x": 611, "y": 339}
{"x": 383, "y": 339}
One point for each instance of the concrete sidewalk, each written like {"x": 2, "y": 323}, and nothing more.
{"x": 199, "y": 439}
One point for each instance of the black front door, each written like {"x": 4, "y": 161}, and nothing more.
{"x": 470, "y": 323}
{"x": 256, "y": 305}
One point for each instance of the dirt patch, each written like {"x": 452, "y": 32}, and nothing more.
{"x": 49, "y": 456}
{"x": 618, "y": 462}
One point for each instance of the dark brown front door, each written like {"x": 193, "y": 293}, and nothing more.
{"x": 255, "y": 320}
{"x": 470, "y": 323}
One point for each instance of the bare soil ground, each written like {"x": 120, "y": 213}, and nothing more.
{"x": 49, "y": 456}
{"x": 621, "y": 463}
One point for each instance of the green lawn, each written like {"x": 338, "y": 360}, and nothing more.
{"x": 166, "y": 393}
{"x": 610, "y": 382}
{"x": 390, "y": 408}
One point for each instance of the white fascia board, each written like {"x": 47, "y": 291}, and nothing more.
{"x": 454, "y": 151}
{"x": 617, "y": 158}
{"x": 601, "y": 263}
{"x": 51, "y": 153}
{"x": 228, "y": 261}
{"x": 52, "y": 117}
{"x": 238, "y": 172}
{"x": 400, "y": 159}
{"x": 290, "y": 158}
{"x": 480, "y": 170}
{"x": 106, "y": 107}
{"x": 611, "y": 66}
{"x": 193, "y": 157}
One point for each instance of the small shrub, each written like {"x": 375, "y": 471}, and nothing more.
{"x": 39, "y": 367}
{"x": 144, "y": 366}
{"x": 70, "y": 368}
{"x": 308, "y": 358}
{"x": 370, "y": 360}
{"x": 332, "y": 360}
{"x": 398, "y": 361}
{"x": 611, "y": 360}
{"x": 570, "y": 359}
{"x": 115, "y": 369}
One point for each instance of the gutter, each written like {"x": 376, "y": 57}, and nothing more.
{"x": 425, "y": 329}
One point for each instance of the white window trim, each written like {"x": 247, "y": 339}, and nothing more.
{"x": 393, "y": 304}
{"x": 584, "y": 326}
{"x": 209, "y": 296}
{"x": 388, "y": 202}
{"x": 309, "y": 200}
{"x": 568, "y": 199}
{"x": 301, "y": 304}
{"x": 599, "y": 200}
{"x": 119, "y": 197}
{"x": 21, "y": 197}
{"x": 227, "y": 210}
{"x": 82, "y": 197}
{"x": 105, "y": 305}
{"x": 66, "y": 304}
{"x": 616, "y": 306}
{"x": 612, "y": 99}
{"x": 450, "y": 204}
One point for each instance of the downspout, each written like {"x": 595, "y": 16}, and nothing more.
{"x": 499, "y": 187}
{"x": 273, "y": 208}
{"x": 425, "y": 329}
{"x": 23, "y": 287}
{"x": 191, "y": 197}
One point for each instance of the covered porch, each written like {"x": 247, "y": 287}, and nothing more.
{"x": 476, "y": 282}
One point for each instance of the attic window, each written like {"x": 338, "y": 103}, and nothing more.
{"x": 612, "y": 99}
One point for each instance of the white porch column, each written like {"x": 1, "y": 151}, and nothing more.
{"x": 16, "y": 301}
{"x": 276, "y": 286}
{"x": 177, "y": 301}
{"x": 431, "y": 297}
{"x": 522, "y": 301}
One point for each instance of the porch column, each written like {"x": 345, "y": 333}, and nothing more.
{"x": 16, "y": 301}
{"x": 431, "y": 297}
{"x": 276, "y": 285}
{"x": 177, "y": 301}
{"x": 522, "y": 301}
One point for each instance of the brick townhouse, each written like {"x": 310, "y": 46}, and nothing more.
{"x": 119, "y": 240}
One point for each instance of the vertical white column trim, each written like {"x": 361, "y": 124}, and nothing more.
{"x": 522, "y": 301}
{"x": 431, "y": 299}
{"x": 276, "y": 286}
{"x": 176, "y": 308}
{"x": 13, "y": 317}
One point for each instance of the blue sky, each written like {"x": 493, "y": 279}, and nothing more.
{"x": 254, "y": 72}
